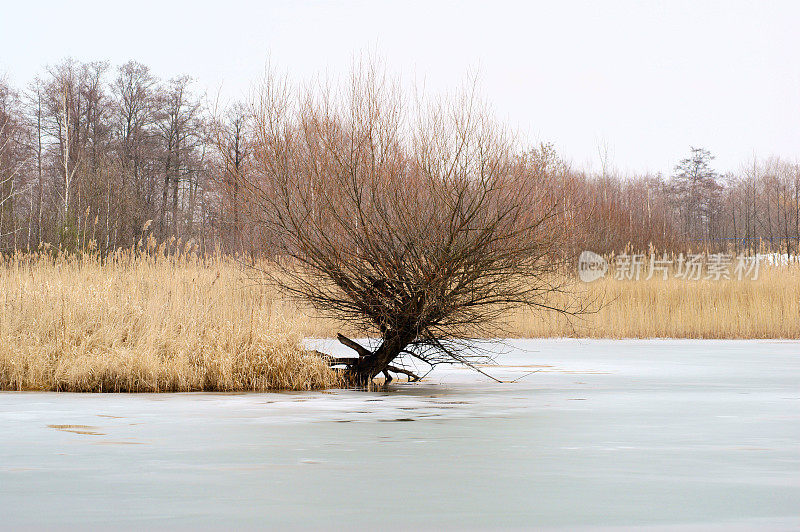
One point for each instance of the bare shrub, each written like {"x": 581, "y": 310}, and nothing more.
{"x": 422, "y": 223}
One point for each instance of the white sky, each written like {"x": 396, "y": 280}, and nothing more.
{"x": 647, "y": 79}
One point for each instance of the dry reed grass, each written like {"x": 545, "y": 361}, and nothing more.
{"x": 150, "y": 323}
{"x": 768, "y": 307}
{"x": 145, "y": 324}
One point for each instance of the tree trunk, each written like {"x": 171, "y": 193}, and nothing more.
{"x": 370, "y": 363}
{"x": 164, "y": 192}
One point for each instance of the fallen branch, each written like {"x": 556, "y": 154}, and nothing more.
{"x": 412, "y": 377}
{"x": 355, "y": 346}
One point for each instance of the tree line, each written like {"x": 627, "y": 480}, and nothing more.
{"x": 754, "y": 209}
{"x": 91, "y": 154}
{"x": 95, "y": 156}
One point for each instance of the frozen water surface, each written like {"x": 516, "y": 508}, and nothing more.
{"x": 664, "y": 434}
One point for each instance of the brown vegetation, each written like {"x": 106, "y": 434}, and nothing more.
{"x": 768, "y": 307}
{"x": 417, "y": 224}
{"x": 91, "y": 152}
{"x": 190, "y": 324}
{"x": 146, "y": 323}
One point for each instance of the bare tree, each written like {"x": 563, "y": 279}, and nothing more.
{"x": 67, "y": 122}
{"x": 695, "y": 192}
{"x": 231, "y": 139}
{"x": 423, "y": 225}
{"x": 12, "y": 161}
{"x": 179, "y": 124}
{"x": 36, "y": 123}
{"x": 134, "y": 122}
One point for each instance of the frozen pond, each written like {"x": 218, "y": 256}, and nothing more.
{"x": 674, "y": 435}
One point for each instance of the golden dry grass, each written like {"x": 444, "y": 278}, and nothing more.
{"x": 146, "y": 325}
{"x": 188, "y": 323}
{"x": 768, "y": 307}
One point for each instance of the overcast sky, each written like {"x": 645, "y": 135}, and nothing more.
{"x": 645, "y": 79}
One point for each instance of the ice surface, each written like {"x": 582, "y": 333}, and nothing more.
{"x": 670, "y": 434}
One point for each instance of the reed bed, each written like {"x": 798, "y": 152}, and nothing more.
{"x": 147, "y": 322}
{"x": 768, "y": 307}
